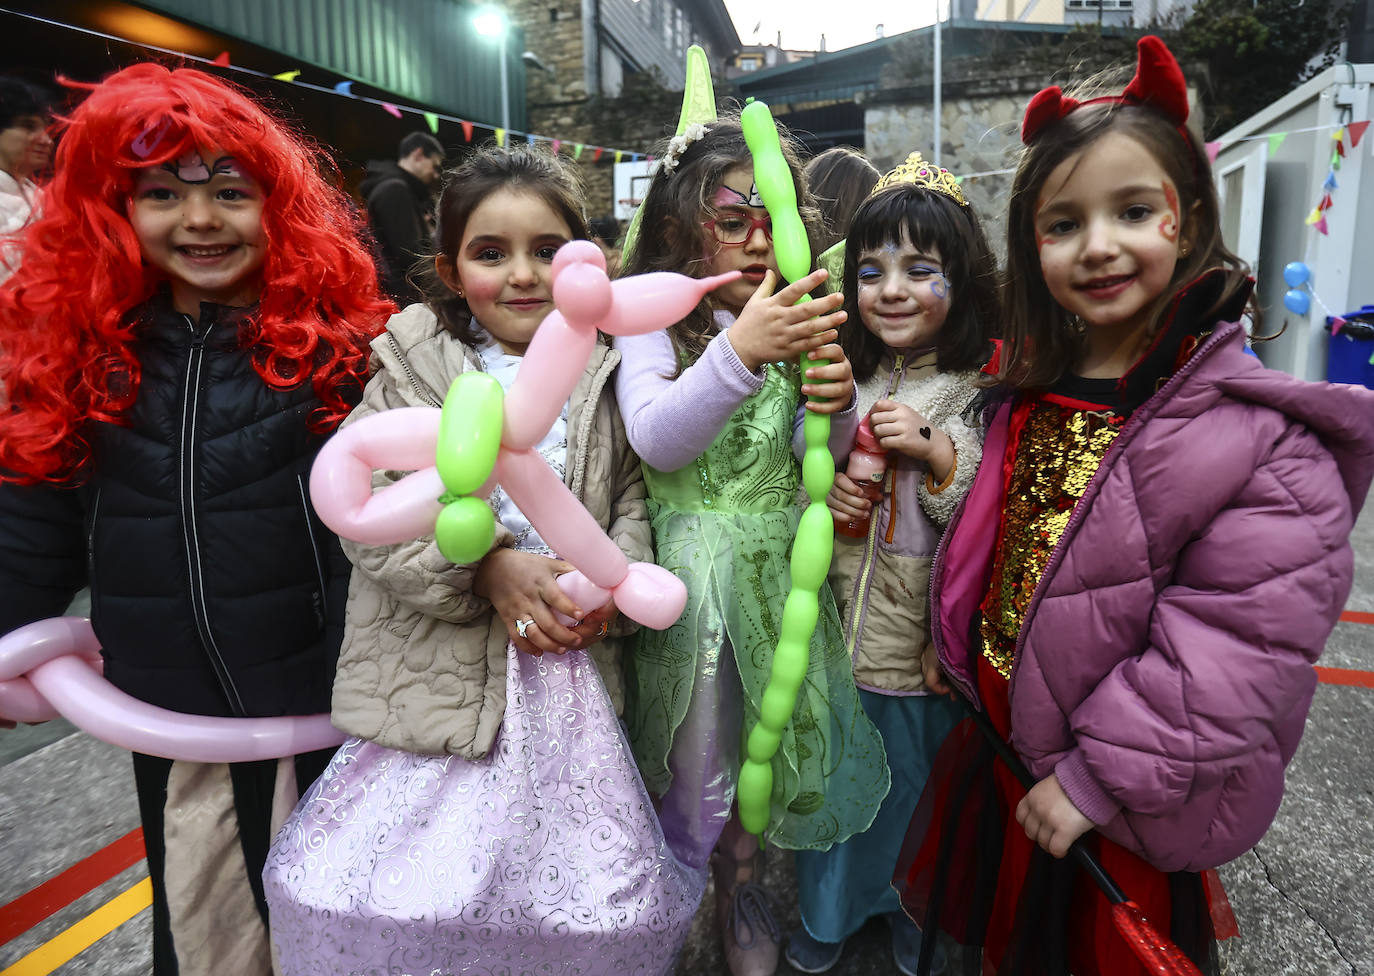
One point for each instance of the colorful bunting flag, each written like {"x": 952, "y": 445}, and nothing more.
{"x": 1321, "y": 225}
{"x": 557, "y": 145}
{"x": 391, "y": 110}
{"x": 1335, "y": 161}
{"x": 577, "y": 150}
{"x": 500, "y": 137}
{"x": 596, "y": 154}
{"x": 344, "y": 88}
{"x": 432, "y": 120}
{"x": 1339, "y": 134}
{"x": 1276, "y": 140}
{"x": 529, "y": 138}
{"x": 1326, "y": 202}
{"x": 1330, "y": 183}
{"x": 1314, "y": 216}
{"x": 1356, "y": 131}
{"x": 1340, "y": 149}
{"x": 1337, "y": 324}
{"x": 467, "y": 129}
{"x": 291, "y": 75}
{"x": 221, "y": 59}
{"x": 618, "y": 154}
{"x": 1212, "y": 149}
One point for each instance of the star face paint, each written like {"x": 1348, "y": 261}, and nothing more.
{"x": 903, "y": 294}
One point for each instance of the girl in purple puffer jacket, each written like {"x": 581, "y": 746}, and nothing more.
{"x": 1153, "y": 553}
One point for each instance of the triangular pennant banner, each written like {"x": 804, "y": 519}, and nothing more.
{"x": 634, "y": 157}
{"x": 958, "y": 181}
{"x": 529, "y": 138}
{"x": 1337, "y": 324}
{"x": 618, "y": 154}
{"x": 596, "y": 154}
{"x": 467, "y": 129}
{"x": 1335, "y": 161}
{"x": 1356, "y": 131}
{"x": 344, "y": 88}
{"x": 390, "y": 109}
{"x": 1339, "y": 134}
{"x": 500, "y": 137}
{"x": 221, "y": 59}
{"x": 432, "y": 120}
{"x": 1330, "y": 183}
{"x": 1276, "y": 140}
{"x": 577, "y": 150}
{"x": 557, "y": 145}
{"x": 1314, "y": 216}
{"x": 1212, "y": 149}
{"x": 288, "y": 75}
{"x": 1340, "y": 149}
{"x": 1326, "y": 202}
{"x": 1321, "y": 225}
{"x": 648, "y": 159}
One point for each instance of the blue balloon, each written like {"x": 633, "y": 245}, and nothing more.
{"x": 1296, "y": 273}
{"x": 1297, "y": 301}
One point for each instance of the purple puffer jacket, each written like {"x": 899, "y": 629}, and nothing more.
{"x": 1164, "y": 668}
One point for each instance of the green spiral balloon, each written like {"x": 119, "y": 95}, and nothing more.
{"x": 816, "y": 531}
{"x": 465, "y": 454}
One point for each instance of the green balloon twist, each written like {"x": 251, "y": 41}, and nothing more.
{"x": 816, "y": 531}
{"x": 465, "y": 454}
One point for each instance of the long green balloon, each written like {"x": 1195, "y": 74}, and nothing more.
{"x": 815, "y": 539}
{"x": 465, "y": 454}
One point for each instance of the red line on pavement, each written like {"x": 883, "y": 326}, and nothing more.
{"x": 1345, "y": 676}
{"x": 57, "y": 893}
{"x": 1357, "y": 617}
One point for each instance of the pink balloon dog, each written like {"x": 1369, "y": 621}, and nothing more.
{"x": 52, "y": 667}
{"x": 405, "y": 440}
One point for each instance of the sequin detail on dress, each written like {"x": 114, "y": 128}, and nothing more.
{"x": 1057, "y": 454}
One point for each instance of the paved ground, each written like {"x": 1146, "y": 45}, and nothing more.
{"x": 1302, "y": 897}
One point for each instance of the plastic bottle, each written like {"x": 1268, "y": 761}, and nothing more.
{"x": 867, "y": 466}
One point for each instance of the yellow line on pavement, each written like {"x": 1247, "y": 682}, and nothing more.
{"x": 85, "y": 933}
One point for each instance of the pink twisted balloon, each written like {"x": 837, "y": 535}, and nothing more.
{"x": 53, "y": 667}
{"x": 405, "y": 440}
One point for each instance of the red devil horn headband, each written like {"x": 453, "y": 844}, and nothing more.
{"x": 1158, "y": 83}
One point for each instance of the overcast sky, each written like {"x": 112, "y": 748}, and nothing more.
{"x": 843, "y": 22}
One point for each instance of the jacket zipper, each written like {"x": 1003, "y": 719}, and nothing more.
{"x": 314, "y": 545}
{"x": 187, "y": 481}
{"x": 862, "y": 581}
{"x": 420, "y": 391}
{"x": 90, "y": 537}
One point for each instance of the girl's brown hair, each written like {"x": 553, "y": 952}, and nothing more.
{"x": 671, "y": 235}
{"x": 840, "y": 179}
{"x": 1040, "y": 341}
{"x": 931, "y": 221}
{"x": 521, "y": 169}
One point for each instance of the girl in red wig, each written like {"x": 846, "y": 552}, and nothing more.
{"x": 190, "y": 321}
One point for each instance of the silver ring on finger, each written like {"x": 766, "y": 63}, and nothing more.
{"x": 522, "y": 627}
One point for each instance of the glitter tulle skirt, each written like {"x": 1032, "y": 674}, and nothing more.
{"x": 545, "y": 857}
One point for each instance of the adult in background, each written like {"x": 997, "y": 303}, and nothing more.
{"x": 25, "y": 149}
{"x": 400, "y": 208}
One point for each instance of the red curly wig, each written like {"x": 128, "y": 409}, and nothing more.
{"x": 66, "y": 352}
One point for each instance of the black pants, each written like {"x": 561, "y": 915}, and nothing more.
{"x": 254, "y": 784}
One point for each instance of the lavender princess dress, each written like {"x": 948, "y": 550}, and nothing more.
{"x": 544, "y": 857}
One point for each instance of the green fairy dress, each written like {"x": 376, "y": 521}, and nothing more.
{"x": 724, "y": 525}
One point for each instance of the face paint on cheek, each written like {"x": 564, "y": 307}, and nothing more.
{"x": 939, "y": 287}
{"x": 1168, "y": 227}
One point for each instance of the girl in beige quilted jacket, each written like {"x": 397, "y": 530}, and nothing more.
{"x": 487, "y": 817}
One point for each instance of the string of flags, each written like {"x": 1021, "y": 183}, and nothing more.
{"x": 345, "y": 89}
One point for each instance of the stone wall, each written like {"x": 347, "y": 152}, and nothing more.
{"x": 980, "y": 135}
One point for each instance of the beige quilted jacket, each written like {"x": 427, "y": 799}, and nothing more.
{"x": 423, "y": 661}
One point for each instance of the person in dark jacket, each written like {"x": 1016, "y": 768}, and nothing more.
{"x": 173, "y": 362}
{"x": 400, "y": 207}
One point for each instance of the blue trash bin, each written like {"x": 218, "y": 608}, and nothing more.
{"x": 1349, "y": 350}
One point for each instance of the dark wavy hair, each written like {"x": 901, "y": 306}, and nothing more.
{"x": 671, "y": 235}
{"x": 68, "y": 352}
{"x": 839, "y": 179}
{"x": 931, "y": 221}
{"x": 1040, "y": 344}
{"x": 491, "y": 168}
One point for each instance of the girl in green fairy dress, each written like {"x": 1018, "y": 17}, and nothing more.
{"x": 710, "y": 406}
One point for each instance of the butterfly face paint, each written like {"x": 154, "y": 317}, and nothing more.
{"x": 192, "y": 169}
{"x": 754, "y": 257}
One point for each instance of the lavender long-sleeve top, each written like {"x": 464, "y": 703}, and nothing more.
{"x": 671, "y": 421}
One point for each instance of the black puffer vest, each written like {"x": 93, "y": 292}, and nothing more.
{"x": 212, "y": 579}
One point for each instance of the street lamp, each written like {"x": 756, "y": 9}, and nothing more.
{"x": 491, "y": 22}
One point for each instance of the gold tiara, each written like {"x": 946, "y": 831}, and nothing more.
{"x": 925, "y": 175}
